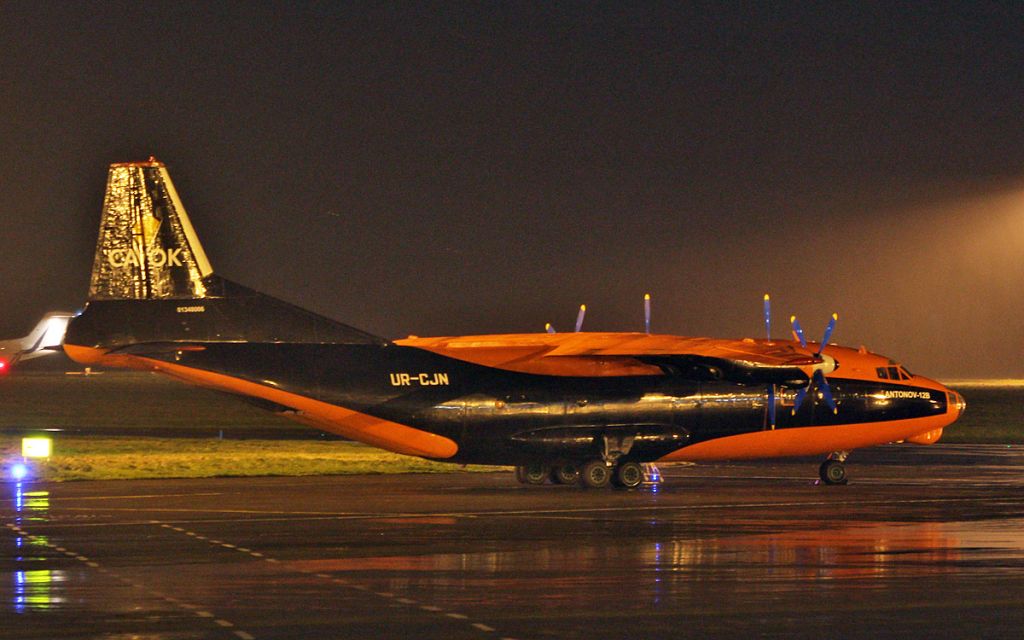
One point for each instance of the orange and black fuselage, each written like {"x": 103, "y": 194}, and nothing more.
{"x": 509, "y": 399}
{"x": 156, "y": 304}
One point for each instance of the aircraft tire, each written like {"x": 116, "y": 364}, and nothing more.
{"x": 520, "y": 474}
{"x": 832, "y": 472}
{"x": 595, "y": 475}
{"x": 535, "y": 473}
{"x": 565, "y": 473}
{"x": 628, "y": 475}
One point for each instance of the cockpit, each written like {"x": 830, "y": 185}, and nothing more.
{"x": 893, "y": 372}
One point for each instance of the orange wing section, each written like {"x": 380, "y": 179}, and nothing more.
{"x": 603, "y": 354}
{"x": 346, "y": 422}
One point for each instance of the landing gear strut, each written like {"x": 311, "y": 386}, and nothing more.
{"x": 833, "y": 471}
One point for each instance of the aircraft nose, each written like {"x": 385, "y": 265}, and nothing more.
{"x": 961, "y": 404}
{"x": 955, "y": 402}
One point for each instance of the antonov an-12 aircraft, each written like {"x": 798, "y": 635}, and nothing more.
{"x": 581, "y": 407}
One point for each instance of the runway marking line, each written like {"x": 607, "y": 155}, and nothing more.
{"x": 278, "y": 516}
{"x": 313, "y": 516}
{"x": 125, "y": 580}
{"x": 386, "y": 595}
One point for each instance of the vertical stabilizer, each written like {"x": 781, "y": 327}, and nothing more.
{"x": 147, "y": 248}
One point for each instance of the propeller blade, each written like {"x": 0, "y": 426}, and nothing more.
{"x": 800, "y": 395}
{"x": 647, "y": 312}
{"x": 549, "y": 328}
{"x": 828, "y": 332}
{"x": 771, "y": 406}
{"x": 767, "y": 316}
{"x": 798, "y": 332}
{"x": 826, "y": 391}
{"x": 579, "y": 317}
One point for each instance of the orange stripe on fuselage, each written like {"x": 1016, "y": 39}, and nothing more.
{"x": 345, "y": 422}
{"x": 808, "y": 441}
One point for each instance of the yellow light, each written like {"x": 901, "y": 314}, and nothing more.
{"x": 36, "y": 447}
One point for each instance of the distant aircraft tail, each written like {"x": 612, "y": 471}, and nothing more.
{"x": 44, "y": 339}
{"x": 152, "y": 284}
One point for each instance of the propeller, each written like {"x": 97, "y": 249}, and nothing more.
{"x": 647, "y": 312}
{"x": 768, "y": 336}
{"x": 579, "y": 321}
{"x": 818, "y": 378}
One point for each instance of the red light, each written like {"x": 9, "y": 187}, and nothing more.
{"x": 3, "y": 366}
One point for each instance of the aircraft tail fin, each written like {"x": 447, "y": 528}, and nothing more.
{"x": 47, "y": 335}
{"x": 153, "y": 285}
{"x": 45, "y": 338}
{"x": 147, "y": 248}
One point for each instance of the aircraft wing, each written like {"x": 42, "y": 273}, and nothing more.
{"x": 616, "y": 354}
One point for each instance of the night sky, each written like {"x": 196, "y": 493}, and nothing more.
{"x": 450, "y": 168}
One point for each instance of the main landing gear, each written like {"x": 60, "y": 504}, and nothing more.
{"x": 593, "y": 474}
{"x": 833, "y": 471}
{"x": 613, "y": 467}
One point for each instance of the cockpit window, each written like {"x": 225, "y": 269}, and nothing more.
{"x": 882, "y": 372}
{"x": 894, "y": 373}
{"x": 904, "y": 371}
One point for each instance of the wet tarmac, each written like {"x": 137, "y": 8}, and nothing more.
{"x": 924, "y": 542}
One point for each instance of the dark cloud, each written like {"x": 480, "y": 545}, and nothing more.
{"x": 483, "y": 168}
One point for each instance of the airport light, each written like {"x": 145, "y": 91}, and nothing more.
{"x": 36, "y": 447}
{"x": 19, "y": 471}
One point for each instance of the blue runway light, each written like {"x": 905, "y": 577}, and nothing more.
{"x": 19, "y": 471}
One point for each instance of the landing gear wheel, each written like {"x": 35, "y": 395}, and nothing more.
{"x": 596, "y": 474}
{"x": 565, "y": 473}
{"x": 832, "y": 472}
{"x": 520, "y": 474}
{"x": 535, "y": 473}
{"x": 628, "y": 475}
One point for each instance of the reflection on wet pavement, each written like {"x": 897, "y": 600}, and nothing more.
{"x": 739, "y": 550}
{"x": 32, "y": 589}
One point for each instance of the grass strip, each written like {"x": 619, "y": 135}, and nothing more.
{"x": 87, "y": 458}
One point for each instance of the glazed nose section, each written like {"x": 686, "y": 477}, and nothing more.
{"x": 955, "y": 404}
{"x": 961, "y": 404}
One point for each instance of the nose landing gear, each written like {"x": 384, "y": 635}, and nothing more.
{"x": 833, "y": 471}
